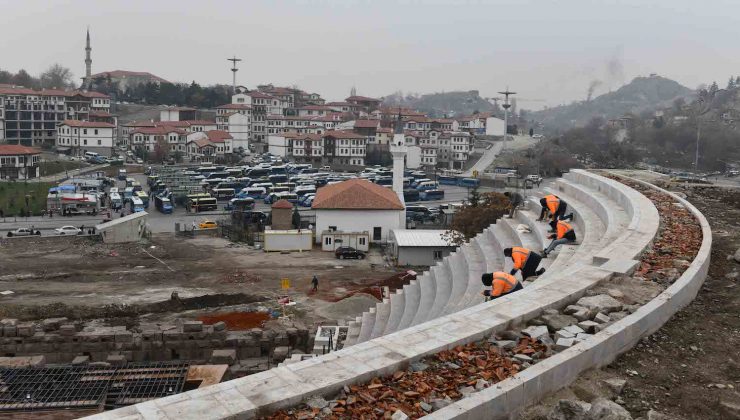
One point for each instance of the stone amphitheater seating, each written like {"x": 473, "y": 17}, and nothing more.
{"x": 443, "y": 308}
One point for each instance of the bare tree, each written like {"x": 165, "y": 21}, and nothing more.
{"x": 58, "y": 77}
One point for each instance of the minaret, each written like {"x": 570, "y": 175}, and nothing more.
{"x": 88, "y": 61}
{"x": 398, "y": 151}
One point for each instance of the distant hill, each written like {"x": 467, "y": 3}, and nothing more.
{"x": 642, "y": 93}
{"x": 441, "y": 104}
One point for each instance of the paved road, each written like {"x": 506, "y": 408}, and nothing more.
{"x": 518, "y": 143}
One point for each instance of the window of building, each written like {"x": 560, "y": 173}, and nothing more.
{"x": 377, "y": 233}
{"x": 84, "y": 131}
{"x": 100, "y": 142}
{"x": 96, "y": 131}
{"x": 332, "y": 228}
{"x": 437, "y": 255}
{"x": 84, "y": 142}
{"x": 327, "y": 240}
{"x": 362, "y": 240}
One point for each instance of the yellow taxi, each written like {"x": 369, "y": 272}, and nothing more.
{"x": 207, "y": 224}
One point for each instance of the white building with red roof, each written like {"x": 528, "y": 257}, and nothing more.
{"x": 357, "y": 206}
{"x": 79, "y": 137}
{"x": 147, "y": 139}
{"x": 209, "y": 146}
{"x": 19, "y": 162}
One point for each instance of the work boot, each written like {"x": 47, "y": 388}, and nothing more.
{"x": 540, "y": 271}
{"x": 544, "y": 254}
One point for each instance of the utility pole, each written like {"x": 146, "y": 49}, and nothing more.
{"x": 506, "y": 107}
{"x": 234, "y": 70}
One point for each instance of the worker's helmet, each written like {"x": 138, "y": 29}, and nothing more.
{"x": 487, "y": 279}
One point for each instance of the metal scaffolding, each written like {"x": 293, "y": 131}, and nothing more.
{"x": 88, "y": 387}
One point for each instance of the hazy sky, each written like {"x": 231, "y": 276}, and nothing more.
{"x": 548, "y": 50}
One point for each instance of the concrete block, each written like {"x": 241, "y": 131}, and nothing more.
{"x": 192, "y": 326}
{"x": 67, "y": 330}
{"x": 124, "y": 337}
{"x": 219, "y": 326}
{"x": 116, "y": 359}
{"x": 564, "y": 343}
{"x": 588, "y": 326}
{"x": 575, "y": 329}
{"x": 600, "y": 303}
{"x": 223, "y": 356}
{"x": 280, "y": 353}
{"x": 563, "y": 334}
{"x": 25, "y": 330}
{"x": 80, "y": 360}
{"x": 8, "y": 321}
{"x": 535, "y": 331}
{"x": 557, "y": 322}
{"x": 601, "y": 318}
{"x": 9, "y": 330}
{"x": 52, "y": 324}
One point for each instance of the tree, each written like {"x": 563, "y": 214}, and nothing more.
{"x": 22, "y": 78}
{"x": 731, "y": 83}
{"x": 161, "y": 150}
{"x": 469, "y": 221}
{"x": 713, "y": 89}
{"x": 6, "y": 76}
{"x": 57, "y": 77}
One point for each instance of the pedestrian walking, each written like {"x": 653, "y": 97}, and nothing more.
{"x": 315, "y": 284}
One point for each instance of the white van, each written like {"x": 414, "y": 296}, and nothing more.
{"x": 90, "y": 155}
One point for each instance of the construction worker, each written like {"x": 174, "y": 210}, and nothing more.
{"x": 556, "y": 207}
{"x": 525, "y": 261}
{"x": 516, "y": 200}
{"x": 564, "y": 234}
{"x": 500, "y": 283}
{"x": 315, "y": 284}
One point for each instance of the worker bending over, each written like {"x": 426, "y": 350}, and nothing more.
{"x": 557, "y": 208}
{"x": 564, "y": 234}
{"x": 525, "y": 261}
{"x": 500, "y": 283}
{"x": 516, "y": 200}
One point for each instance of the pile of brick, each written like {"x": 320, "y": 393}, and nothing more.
{"x": 679, "y": 238}
{"x": 429, "y": 384}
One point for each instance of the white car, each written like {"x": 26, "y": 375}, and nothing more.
{"x": 67, "y": 230}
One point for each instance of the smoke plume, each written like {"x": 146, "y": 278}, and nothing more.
{"x": 591, "y": 87}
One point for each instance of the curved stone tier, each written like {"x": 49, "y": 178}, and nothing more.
{"x": 442, "y": 308}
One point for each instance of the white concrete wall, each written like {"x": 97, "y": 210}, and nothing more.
{"x": 277, "y": 145}
{"x": 292, "y": 240}
{"x": 358, "y": 221}
{"x": 494, "y": 126}
{"x": 240, "y": 130}
{"x": 420, "y": 255}
{"x": 413, "y": 158}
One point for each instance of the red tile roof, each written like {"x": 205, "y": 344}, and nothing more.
{"x": 49, "y": 92}
{"x": 343, "y": 134}
{"x": 234, "y": 106}
{"x": 260, "y": 95}
{"x": 101, "y": 114}
{"x": 87, "y": 124}
{"x": 218, "y": 136}
{"x": 367, "y": 123}
{"x": 356, "y": 194}
{"x": 316, "y": 108}
{"x": 14, "y": 150}
{"x": 158, "y": 130}
{"x": 282, "y": 204}
{"x": 201, "y": 142}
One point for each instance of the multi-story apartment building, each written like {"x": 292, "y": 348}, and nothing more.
{"x": 30, "y": 117}
{"x": 19, "y": 162}
{"x": 210, "y": 146}
{"x": 345, "y": 148}
{"x": 236, "y": 118}
{"x": 460, "y": 149}
{"x": 147, "y": 138}
{"x": 80, "y": 137}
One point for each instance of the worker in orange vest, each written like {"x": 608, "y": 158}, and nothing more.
{"x": 500, "y": 283}
{"x": 556, "y": 206}
{"x": 564, "y": 234}
{"x": 525, "y": 261}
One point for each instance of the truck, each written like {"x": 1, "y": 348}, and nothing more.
{"x": 136, "y": 205}
{"x": 163, "y": 204}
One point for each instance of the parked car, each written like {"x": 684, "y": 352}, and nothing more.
{"x": 68, "y": 230}
{"x": 534, "y": 178}
{"x": 23, "y": 232}
{"x": 344, "y": 252}
{"x": 207, "y": 224}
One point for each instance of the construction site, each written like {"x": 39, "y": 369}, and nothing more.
{"x": 106, "y": 325}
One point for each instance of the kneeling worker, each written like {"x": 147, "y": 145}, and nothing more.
{"x": 564, "y": 234}
{"x": 500, "y": 283}
{"x": 556, "y": 206}
{"x": 525, "y": 260}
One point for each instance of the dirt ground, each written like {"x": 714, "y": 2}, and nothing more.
{"x": 690, "y": 368}
{"x": 82, "y": 279}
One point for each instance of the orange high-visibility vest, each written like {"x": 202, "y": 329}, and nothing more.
{"x": 503, "y": 283}
{"x": 552, "y": 202}
{"x": 519, "y": 255}
{"x": 563, "y": 228}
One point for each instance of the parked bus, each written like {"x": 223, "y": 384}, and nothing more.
{"x": 114, "y": 190}
{"x": 192, "y": 197}
{"x": 253, "y": 192}
{"x": 203, "y": 204}
{"x": 163, "y": 204}
{"x": 430, "y": 195}
{"x": 447, "y": 180}
{"x": 240, "y": 204}
{"x": 410, "y": 195}
{"x": 469, "y": 182}
{"x": 136, "y": 205}
{"x": 302, "y": 190}
{"x": 129, "y": 181}
{"x": 136, "y": 186}
{"x": 151, "y": 180}
{"x": 427, "y": 185}
{"x": 122, "y": 175}
{"x": 276, "y": 179}
{"x": 278, "y": 189}
{"x": 128, "y": 193}
{"x": 141, "y": 195}
{"x": 223, "y": 193}
{"x": 116, "y": 202}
